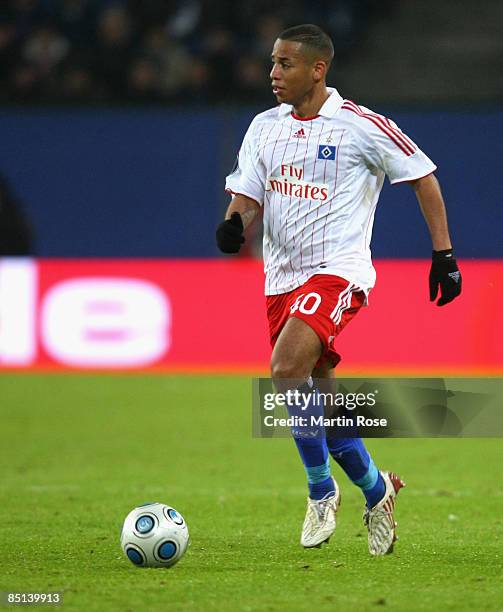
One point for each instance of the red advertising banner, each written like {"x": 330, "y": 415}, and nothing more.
{"x": 209, "y": 315}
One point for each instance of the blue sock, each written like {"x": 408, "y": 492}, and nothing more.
{"x": 311, "y": 442}
{"x": 354, "y": 459}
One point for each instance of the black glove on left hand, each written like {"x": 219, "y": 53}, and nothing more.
{"x": 444, "y": 272}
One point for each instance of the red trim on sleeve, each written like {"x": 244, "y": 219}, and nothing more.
{"x": 401, "y": 141}
{"x": 407, "y": 180}
{"x": 245, "y": 195}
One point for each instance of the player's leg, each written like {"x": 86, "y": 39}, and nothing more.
{"x": 295, "y": 354}
{"x": 379, "y": 488}
{"x": 350, "y": 452}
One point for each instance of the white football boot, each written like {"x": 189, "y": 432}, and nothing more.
{"x": 379, "y": 519}
{"x": 320, "y": 520}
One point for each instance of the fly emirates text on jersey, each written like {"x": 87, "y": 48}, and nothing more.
{"x": 291, "y": 183}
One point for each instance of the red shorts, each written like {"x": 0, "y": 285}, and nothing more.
{"x": 325, "y": 302}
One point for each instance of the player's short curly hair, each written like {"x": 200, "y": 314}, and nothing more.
{"x": 312, "y": 37}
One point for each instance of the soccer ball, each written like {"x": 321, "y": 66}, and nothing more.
{"x": 154, "y": 535}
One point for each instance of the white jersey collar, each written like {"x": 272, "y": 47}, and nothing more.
{"x": 329, "y": 108}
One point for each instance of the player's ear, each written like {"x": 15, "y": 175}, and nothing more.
{"x": 319, "y": 71}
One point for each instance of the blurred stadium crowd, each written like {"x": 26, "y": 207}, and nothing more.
{"x": 153, "y": 51}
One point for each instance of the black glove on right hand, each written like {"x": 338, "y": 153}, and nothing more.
{"x": 230, "y": 234}
{"x": 444, "y": 272}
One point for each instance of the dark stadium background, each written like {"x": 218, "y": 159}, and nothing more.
{"x": 123, "y": 183}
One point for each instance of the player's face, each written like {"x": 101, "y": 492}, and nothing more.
{"x": 293, "y": 74}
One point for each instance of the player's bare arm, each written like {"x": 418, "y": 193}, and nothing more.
{"x": 245, "y": 206}
{"x": 429, "y": 196}
{"x": 444, "y": 273}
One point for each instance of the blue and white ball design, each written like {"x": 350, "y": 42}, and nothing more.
{"x": 154, "y": 535}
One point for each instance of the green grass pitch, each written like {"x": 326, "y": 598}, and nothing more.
{"x": 79, "y": 451}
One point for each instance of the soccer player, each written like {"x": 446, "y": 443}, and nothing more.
{"x": 316, "y": 165}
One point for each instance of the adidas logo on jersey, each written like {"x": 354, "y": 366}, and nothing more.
{"x": 300, "y": 133}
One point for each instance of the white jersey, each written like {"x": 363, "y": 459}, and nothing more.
{"x": 318, "y": 180}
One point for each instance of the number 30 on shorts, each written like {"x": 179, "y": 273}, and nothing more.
{"x": 306, "y": 303}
